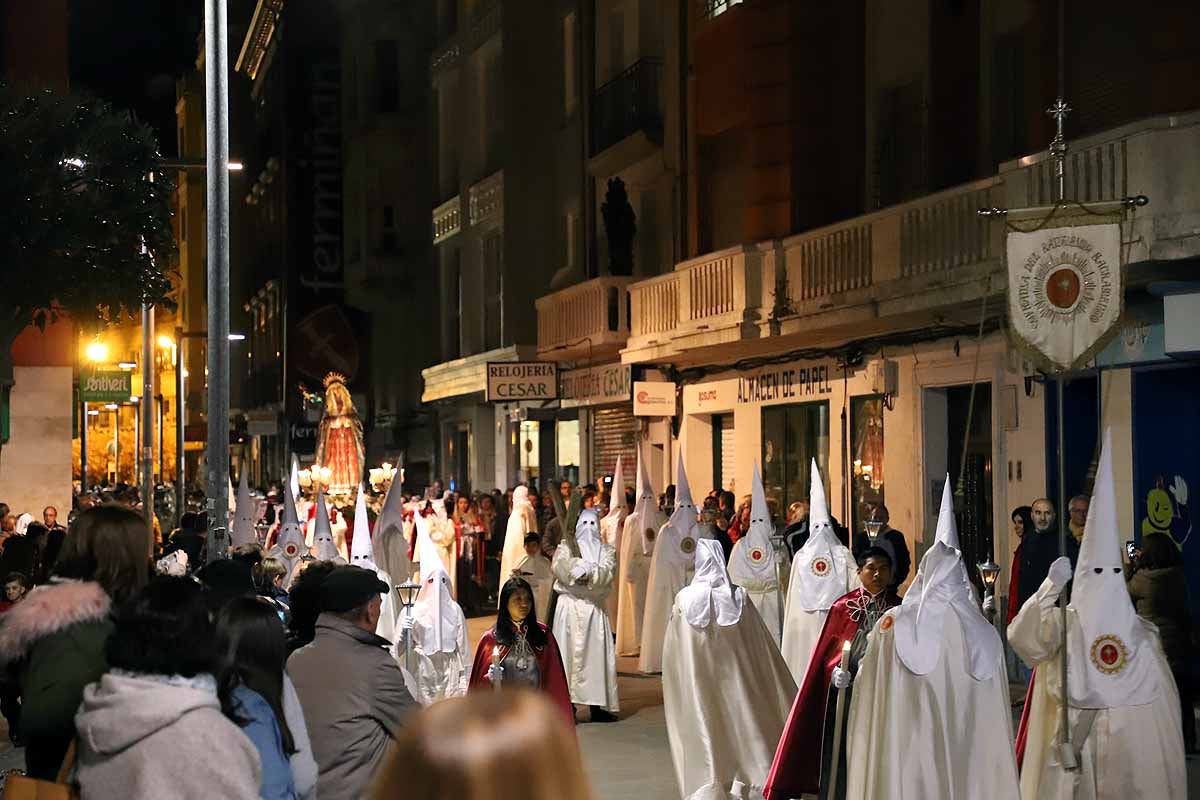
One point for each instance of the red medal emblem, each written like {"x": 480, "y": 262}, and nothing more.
{"x": 688, "y": 545}
{"x": 291, "y": 550}
{"x": 757, "y": 555}
{"x": 820, "y": 567}
{"x": 1109, "y": 654}
{"x": 886, "y": 623}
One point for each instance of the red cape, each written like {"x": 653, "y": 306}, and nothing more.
{"x": 1014, "y": 604}
{"x": 796, "y": 769}
{"x": 1023, "y": 729}
{"x": 550, "y": 665}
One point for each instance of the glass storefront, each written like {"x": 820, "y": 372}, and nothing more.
{"x": 866, "y": 457}
{"x": 792, "y": 436}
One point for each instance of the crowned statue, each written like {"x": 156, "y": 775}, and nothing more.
{"x": 340, "y": 439}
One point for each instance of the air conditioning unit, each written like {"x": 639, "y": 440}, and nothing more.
{"x": 885, "y": 377}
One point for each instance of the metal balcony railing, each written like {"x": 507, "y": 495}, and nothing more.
{"x": 628, "y": 103}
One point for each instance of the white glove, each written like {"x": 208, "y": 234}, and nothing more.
{"x": 495, "y": 673}
{"x": 579, "y": 571}
{"x": 1060, "y": 572}
{"x": 989, "y": 604}
{"x": 841, "y": 678}
{"x": 1179, "y": 488}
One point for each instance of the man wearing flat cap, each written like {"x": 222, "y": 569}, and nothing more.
{"x": 350, "y": 687}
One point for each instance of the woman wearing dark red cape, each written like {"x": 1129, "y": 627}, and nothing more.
{"x": 524, "y": 648}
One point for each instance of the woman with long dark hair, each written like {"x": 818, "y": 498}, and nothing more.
{"x": 251, "y": 640}
{"x": 157, "y": 723}
{"x": 1022, "y": 523}
{"x": 520, "y": 651}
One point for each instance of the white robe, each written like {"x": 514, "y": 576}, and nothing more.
{"x": 941, "y": 735}
{"x": 442, "y": 534}
{"x": 388, "y": 611}
{"x": 1132, "y": 751}
{"x": 801, "y": 628}
{"x": 439, "y": 675}
{"x": 582, "y": 631}
{"x": 727, "y": 694}
{"x": 541, "y": 579}
{"x": 634, "y": 576}
{"x": 667, "y": 577}
{"x": 767, "y": 597}
{"x": 611, "y": 530}
{"x": 520, "y": 523}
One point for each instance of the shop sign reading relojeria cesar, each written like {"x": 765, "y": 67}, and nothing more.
{"x": 512, "y": 381}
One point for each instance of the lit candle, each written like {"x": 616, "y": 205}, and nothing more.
{"x": 496, "y": 663}
{"x": 845, "y": 655}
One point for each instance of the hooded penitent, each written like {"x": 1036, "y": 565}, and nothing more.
{"x": 637, "y": 547}
{"x": 390, "y": 547}
{"x": 289, "y": 544}
{"x": 435, "y": 613}
{"x": 610, "y": 526}
{"x": 1112, "y": 659}
{"x": 646, "y": 507}
{"x": 942, "y": 586}
{"x": 674, "y": 556}
{"x": 711, "y": 596}
{"x": 362, "y": 554}
{"x": 753, "y": 565}
{"x": 521, "y": 521}
{"x": 587, "y": 536}
{"x": 242, "y": 530}
{"x": 324, "y": 548}
{"x": 822, "y": 575}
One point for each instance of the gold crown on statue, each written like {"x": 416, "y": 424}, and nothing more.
{"x": 335, "y": 377}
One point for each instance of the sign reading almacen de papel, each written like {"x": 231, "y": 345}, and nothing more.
{"x": 513, "y": 381}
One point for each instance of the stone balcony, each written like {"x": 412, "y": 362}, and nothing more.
{"x": 926, "y": 263}
{"x": 587, "y": 321}
{"x": 447, "y": 219}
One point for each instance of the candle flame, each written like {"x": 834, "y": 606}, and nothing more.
{"x": 846, "y": 646}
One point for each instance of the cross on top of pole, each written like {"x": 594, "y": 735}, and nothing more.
{"x": 1059, "y": 112}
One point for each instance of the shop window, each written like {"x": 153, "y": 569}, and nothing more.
{"x": 528, "y": 443}
{"x": 566, "y": 434}
{"x": 792, "y": 436}
{"x": 723, "y": 443}
{"x": 866, "y": 457}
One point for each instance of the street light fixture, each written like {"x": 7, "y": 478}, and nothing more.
{"x": 97, "y": 352}
{"x": 989, "y": 572}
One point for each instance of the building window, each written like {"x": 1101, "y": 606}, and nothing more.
{"x": 566, "y": 434}
{"x": 493, "y": 290}
{"x": 570, "y": 72}
{"x": 723, "y": 449}
{"x": 866, "y": 457}
{"x": 387, "y": 76}
{"x": 528, "y": 446}
{"x": 792, "y": 436}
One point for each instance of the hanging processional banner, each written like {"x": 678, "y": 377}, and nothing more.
{"x": 1064, "y": 289}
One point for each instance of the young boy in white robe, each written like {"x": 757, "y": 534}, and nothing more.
{"x": 432, "y": 645}
{"x": 584, "y": 570}
{"x": 535, "y": 569}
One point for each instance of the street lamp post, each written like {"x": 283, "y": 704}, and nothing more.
{"x": 180, "y": 421}
{"x": 216, "y": 96}
{"x": 146, "y": 410}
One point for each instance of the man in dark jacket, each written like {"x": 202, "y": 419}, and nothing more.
{"x": 890, "y": 539}
{"x": 1039, "y": 549}
{"x": 350, "y": 687}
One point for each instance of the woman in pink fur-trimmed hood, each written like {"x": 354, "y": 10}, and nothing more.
{"x": 57, "y": 634}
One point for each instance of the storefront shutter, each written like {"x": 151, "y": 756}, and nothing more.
{"x": 727, "y": 452}
{"x": 614, "y": 432}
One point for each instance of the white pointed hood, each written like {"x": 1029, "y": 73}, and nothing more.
{"x": 436, "y": 616}
{"x": 587, "y": 535}
{"x": 242, "y": 530}
{"x": 324, "y": 548}
{"x": 824, "y": 561}
{"x": 677, "y": 539}
{"x": 1111, "y": 662}
{"x": 942, "y": 585}
{"x": 650, "y": 518}
{"x": 289, "y": 542}
{"x": 362, "y": 554}
{"x": 232, "y": 497}
{"x": 390, "y": 546}
{"x": 521, "y": 497}
{"x": 754, "y": 557}
{"x": 294, "y": 477}
{"x": 711, "y": 595}
{"x": 614, "y": 520}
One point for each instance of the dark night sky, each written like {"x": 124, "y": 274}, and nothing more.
{"x": 130, "y": 51}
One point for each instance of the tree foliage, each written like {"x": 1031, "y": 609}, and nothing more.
{"x": 84, "y": 229}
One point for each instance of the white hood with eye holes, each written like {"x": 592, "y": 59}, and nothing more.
{"x": 436, "y": 617}
{"x": 1110, "y": 662}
